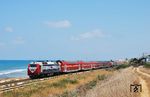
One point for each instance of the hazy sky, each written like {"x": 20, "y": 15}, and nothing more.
{"x": 74, "y": 29}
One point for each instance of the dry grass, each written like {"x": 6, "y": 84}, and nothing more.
{"x": 85, "y": 84}
{"x": 146, "y": 70}
{"x": 147, "y": 79}
{"x": 57, "y": 86}
{"x": 116, "y": 86}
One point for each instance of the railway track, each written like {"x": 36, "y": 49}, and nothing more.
{"x": 9, "y": 86}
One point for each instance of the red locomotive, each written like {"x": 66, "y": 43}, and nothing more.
{"x": 47, "y": 68}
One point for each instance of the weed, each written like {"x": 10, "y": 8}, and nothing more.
{"x": 62, "y": 83}
{"x": 101, "y": 77}
{"x": 147, "y": 65}
{"x": 122, "y": 66}
{"x": 63, "y": 86}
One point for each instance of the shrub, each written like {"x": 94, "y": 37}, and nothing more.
{"x": 147, "y": 65}
{"x": 91, "y": 84}
{"x": 122, "y": 66}
{"x": 62, "y": 83}
{"x": 101, "y": 77}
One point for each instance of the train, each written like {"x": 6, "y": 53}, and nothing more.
{"x": 38, "y": 69}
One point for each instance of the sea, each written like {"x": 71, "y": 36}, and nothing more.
{"x": 14, "y": 68}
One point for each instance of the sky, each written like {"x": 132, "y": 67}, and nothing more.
{"x": 74, "y": 29}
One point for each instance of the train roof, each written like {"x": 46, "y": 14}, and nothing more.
{"x": 43, "y": 62}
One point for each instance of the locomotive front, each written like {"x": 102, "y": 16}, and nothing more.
{"x": 43, "y": 68}
{"x": 34, "y": 69}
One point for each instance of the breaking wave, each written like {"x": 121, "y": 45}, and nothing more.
{"x": 12, "y": 71}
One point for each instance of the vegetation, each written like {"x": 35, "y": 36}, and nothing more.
{"x": 63, "y": 86}
{"x": 146, "y": 78}
{"x": 118, "y": 85}
{"x": 93, "y": 83}
{"x": 137, "y": 61}
{"x": 122, "y": 66}
{"x": 147, "y": 65}
{"x": 81, "y": 90}
{"x": 62, "y": 83}
{"x": 146, "y": 69}
{"x": 75, "y": 85}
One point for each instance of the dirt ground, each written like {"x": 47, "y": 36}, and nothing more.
{"x": 144, "y": 81}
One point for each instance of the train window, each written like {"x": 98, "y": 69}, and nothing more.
{"x": 32, "y": 65}
{"x": 44, "y": 62}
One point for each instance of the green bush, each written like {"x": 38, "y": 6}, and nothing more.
{"x": 147, "y": 65}
{"x": 122, "y": 66}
